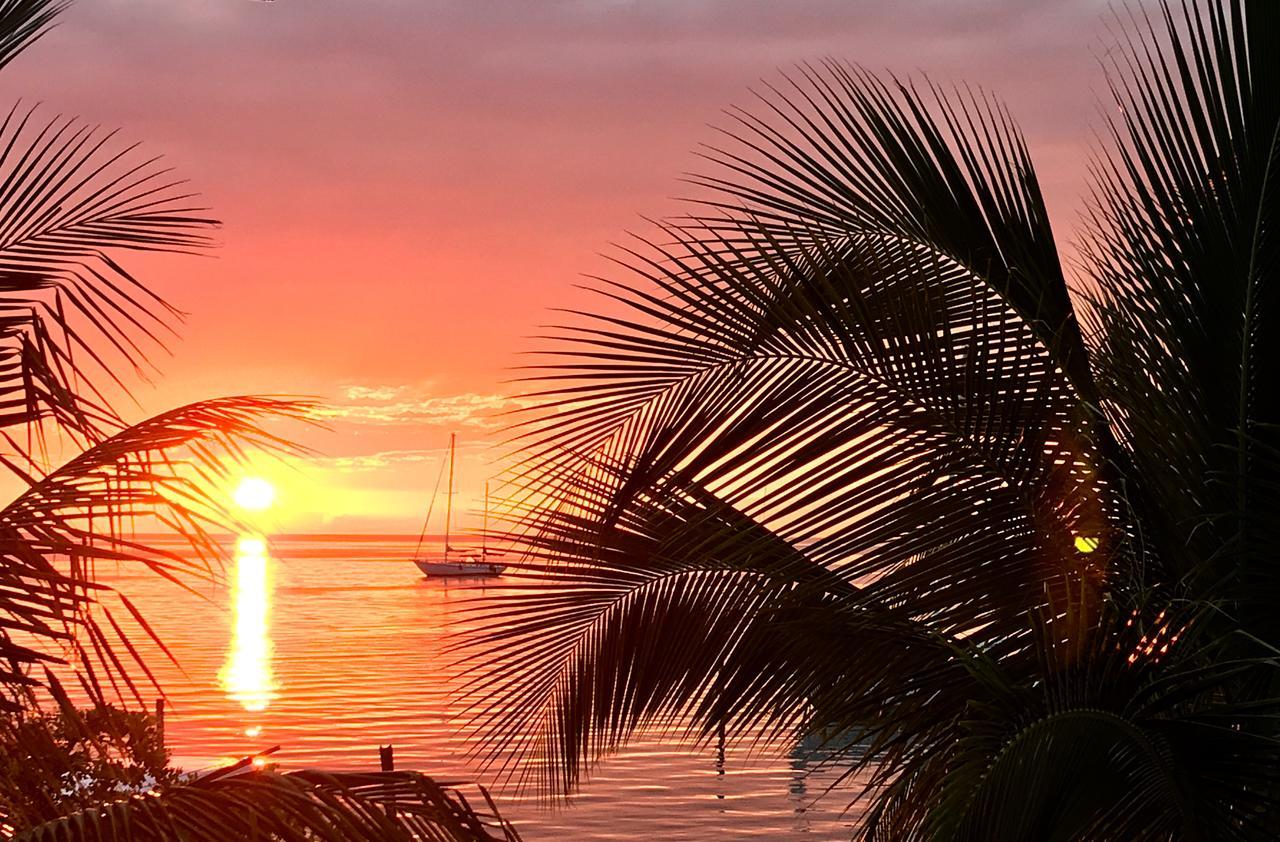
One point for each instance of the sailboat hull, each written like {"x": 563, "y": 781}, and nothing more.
{"x": 459, "y": 568}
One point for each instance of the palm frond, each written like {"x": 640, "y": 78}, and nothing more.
{"x": 71, "y": 199}
{"x": 1182, "y": 265}
{"x": 1130, "y": 737}
{"x": 293, "y": 807}
{"x": 845, "y": 386}
{"x": 836, "y": 458}
{"x": 840, "y": 150}
{"x": 23, "y": 22}
{"x": 163, "y": 471}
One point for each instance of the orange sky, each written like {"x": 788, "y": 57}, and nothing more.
{"x": 407, "y": 185}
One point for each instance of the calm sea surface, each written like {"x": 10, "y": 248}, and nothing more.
{"x": 329, "y": 646}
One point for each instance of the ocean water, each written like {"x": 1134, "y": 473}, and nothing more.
{"x": 329, "y": 646}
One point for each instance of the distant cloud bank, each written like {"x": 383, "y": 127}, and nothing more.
{"x": 385, "y": 405}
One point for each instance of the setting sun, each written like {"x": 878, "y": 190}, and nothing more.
{"x": 254, "y": 494}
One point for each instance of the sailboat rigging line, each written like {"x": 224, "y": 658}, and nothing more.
{"x": 448, "y": 500}
{"x": 427, "y": 520}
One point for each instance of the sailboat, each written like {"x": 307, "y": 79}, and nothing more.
{"x": 456, "y": 562}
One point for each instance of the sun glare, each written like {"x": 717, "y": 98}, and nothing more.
{"x": 1086, "y": 543}
{"x": 254, "y": 494}
{"x": 251, "y": 546}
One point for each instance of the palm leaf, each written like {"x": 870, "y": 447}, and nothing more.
{"x": 23, "y": 22}
{"x": 835, "y": 457}
{"x": 1184, "y": 263}
{"x": 1135, "y": 740}
{"x": 165, "y": 469}
{"x": 71, "y": 198}
{"x": 843, "y": 151}
{"x": 930, "y": 448}
{"x": 290, "y": 808}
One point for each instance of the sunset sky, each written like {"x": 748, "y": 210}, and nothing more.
{"x": 408, "y": 186}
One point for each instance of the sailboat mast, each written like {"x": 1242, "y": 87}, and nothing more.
{"x": 448, "y": 500}
{"x": 484, "y": 532}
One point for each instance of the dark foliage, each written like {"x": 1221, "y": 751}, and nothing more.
{"x": 295, "y": 807}
{"x": 54, "y": 764}
{"x": 843, "y": 454}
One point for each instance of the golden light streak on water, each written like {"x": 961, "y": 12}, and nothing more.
{"x": 360, "y": 656}
{"x": 247, "y": 677}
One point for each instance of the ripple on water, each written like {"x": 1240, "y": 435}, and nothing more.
{"x": 356, "y": 660}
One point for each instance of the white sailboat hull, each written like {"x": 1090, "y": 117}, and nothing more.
{"x": 460, "y": 567}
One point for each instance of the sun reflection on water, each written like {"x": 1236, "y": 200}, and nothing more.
{"x": 246, "y": 677}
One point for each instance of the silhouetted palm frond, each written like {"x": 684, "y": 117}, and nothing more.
{"x": 837, "y": 456}
{"x": 163, "y": 472}
{"x": 1183, "y": 256}
{"x": 869, "y": 401}
{"x": 71, "y": 198}
{"x": 294, "y": 807}
{"x": 22, "y": 22}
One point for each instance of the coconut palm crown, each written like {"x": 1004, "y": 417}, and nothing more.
{"x": 843, "y": 453}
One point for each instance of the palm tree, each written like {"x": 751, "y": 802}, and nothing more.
{"x": 843, "y": 454}
{"x": 72, "y": 200}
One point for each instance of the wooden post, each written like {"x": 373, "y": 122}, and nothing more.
{"x": 160, "y": 720}
{"x": 386, "y": 755}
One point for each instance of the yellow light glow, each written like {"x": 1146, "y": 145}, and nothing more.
{"x": 251, "y": 546}
{"x": 1086, "y": 543}
{"x": 247, "y": 676}
{"x": 254, "y": 494}
{"x": 253, "y": 731}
